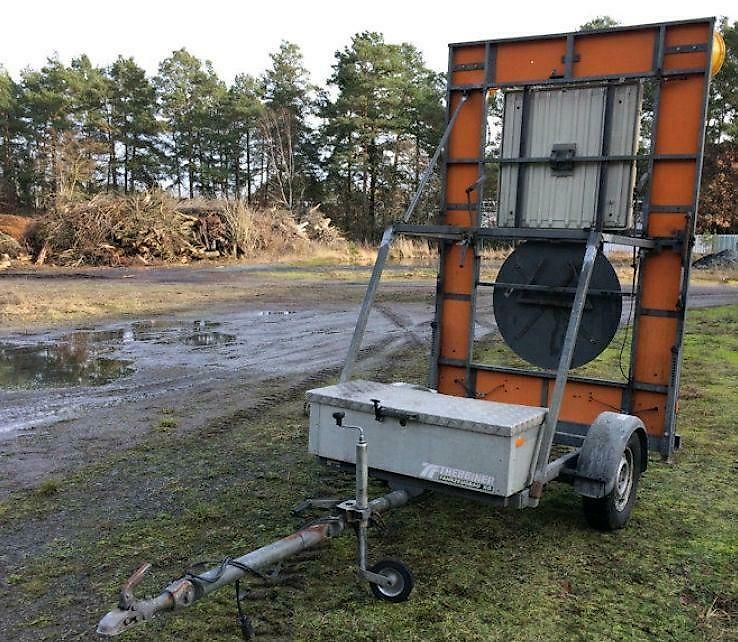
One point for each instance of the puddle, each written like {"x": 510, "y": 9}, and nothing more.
{"x": 63, "y": 364}
{"x": 201, "y": 339}
{"x": 91, "y": 356}
{"x": 193, "y": 360}
{"x": 96, "y": 355}
{"x": 152, "y": 324}
{"x": 92, "y": 335}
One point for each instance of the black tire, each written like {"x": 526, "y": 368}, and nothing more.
{"x": 612, "y": 512}
{"x": 402, "y": 581}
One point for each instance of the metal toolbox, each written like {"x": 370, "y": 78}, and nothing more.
{"x": 476, "y": 445}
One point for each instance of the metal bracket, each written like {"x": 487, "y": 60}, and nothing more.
{"x": 126, "y": 599}
{"x": 547, "y": 433}
{"x": 574, "y": 58}
{"x": 465, "y": 243}
{"x": 375, "y": 578}
{"x": 353, "y": 512}
{"x": 323, "y": 503}
{"x": 562, "y": 157}
{"x": 669, "y": 243}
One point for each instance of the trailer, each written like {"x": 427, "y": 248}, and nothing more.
{"x": 573, "y": 172}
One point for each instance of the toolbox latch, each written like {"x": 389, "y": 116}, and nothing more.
{"x": 380, "y": 413}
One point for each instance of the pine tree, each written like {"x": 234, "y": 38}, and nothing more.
{"x": 8, "y": 131}
{"x": 600, "y": 22}
{"x": 723, "y": 111}
{"x": 718, "y": 210}
{"x": 46, "y": 109}
{"x": 244, "y": 111}
{"x": 186, "y": 89}
{"x": 84, "y": 146}
{"x": 133, "y": 127}
{"x": 386, "y": 115}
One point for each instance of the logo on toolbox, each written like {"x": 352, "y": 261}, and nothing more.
{"x": 458, "y": 477}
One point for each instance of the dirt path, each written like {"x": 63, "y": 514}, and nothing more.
{"x": 219, "y": 340}
{"x": 191, "y": 366}
{"x": 70, "y": 394}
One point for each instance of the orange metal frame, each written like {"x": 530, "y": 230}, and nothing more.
{"x": 676, "y": 58}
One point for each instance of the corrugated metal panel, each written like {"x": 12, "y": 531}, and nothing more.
{"x": 722, "y": 242}
{"x": 624, "y": 132}
{"x": 709, "y": 243}
{"x": 511, "y": 129}
{"x": 562, "y": 117}
{"x": 568, "y": 116}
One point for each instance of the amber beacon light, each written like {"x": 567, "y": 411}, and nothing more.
{"x": 718, "y": 53}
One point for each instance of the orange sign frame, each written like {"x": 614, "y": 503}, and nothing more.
{"x": 675, "y": 57}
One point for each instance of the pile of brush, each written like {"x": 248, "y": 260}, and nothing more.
{"x": 112, "y": 230}
{"x": 154, "y": 227}
{"x": 13, "y": 232}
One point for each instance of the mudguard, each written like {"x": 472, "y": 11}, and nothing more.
{"x": 603, "y": 446}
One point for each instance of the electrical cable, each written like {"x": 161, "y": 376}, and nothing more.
{"x": 244, "y": 621}
{"x": 636, "y": 264}
{"x": 227, "y": 561}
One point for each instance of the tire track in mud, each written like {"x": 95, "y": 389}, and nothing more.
{"x": 402, "y": 322}
{"x": 289, "y": 389}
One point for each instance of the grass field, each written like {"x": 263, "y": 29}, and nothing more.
{"x": 66, "y": 297}
{"x": 481, "y": 573}
{"x": 48, "y": 296}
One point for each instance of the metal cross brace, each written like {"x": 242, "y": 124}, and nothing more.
{"x": 545, "y": 440}
{"x": 384, "y": 248}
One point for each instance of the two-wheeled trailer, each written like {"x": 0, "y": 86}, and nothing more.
{"x": 570, "y": 150}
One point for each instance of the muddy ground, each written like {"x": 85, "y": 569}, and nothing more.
{"x": 81, "y": 403}
{"x": 69, "y": 393}
{"x": 72, "y": 392}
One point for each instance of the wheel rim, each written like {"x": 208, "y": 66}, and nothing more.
{"x": 396, "y": 585}
{"x": 624, "y": 480}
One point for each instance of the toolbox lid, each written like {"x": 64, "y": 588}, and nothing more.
{"x": 476, "y": 415}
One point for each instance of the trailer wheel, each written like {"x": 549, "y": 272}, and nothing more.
{"x": 612, "y": 511}
{"x": 401, "y": 579}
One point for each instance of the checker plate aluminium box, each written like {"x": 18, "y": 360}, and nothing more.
{"x": 540, "y": 121}
{"x": 482, "y": 446}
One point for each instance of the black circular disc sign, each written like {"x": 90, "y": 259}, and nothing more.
{"x": 534, "y": 296}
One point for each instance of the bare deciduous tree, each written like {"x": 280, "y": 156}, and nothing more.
{"x": 276, "y": 126}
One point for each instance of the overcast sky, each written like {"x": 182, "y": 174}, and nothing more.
{"x": 237, "y": 36}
